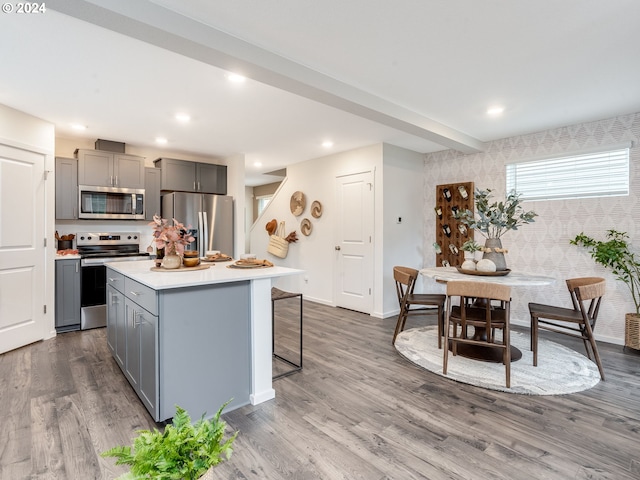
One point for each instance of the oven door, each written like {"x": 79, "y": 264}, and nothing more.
{"x": 93, "y": 290}
{"x": 93, "y": 296}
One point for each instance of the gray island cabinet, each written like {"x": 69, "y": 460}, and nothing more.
{"x": 192, "y": 338}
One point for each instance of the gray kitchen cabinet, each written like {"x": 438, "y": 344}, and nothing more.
{"x": 175, "y": 338}
{"x": 67, "y": 314}
{"x": 184, "y": 176}
{"x": 141, "y": 364}
{"x": 109, "y": 169}
{"x": 151, "y": 192}
{"x": 116, "y": 325}
{"x": 66, "y": 188}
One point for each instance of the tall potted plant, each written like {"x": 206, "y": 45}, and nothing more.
{"x": 494, "y": 219}
{"x": 615, "y": 253}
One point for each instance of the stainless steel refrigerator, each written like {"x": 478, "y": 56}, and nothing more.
{"x": 210, "y": 218}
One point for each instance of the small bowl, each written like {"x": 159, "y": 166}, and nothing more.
{"x": 190, "y": 254}
{"x": 190, "y": 261}
{"x": 212, "y": 253}
{"x": 248, "y": 256}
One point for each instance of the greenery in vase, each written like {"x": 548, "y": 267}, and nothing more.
{"x": 183, "y": 451}
{"x": 493, "y": 220}
{"x": 170, "y": 238}
{"x": 471, "y": 246}
{"x": 615, "y": 253}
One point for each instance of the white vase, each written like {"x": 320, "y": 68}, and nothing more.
{"x": 171, "y": 261}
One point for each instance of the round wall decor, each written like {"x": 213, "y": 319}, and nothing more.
{"x": 305, "y": 227}
{"x": 297, "y": 203}
{"x": 316, "y": 209}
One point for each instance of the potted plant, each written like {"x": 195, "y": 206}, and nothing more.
{"x": 471, "y": 249}
{"x": 494, "y": 219}
{"x": 184, "y": 451}
{"x": 170, "y": 240}
{"x": 615, "y": 254}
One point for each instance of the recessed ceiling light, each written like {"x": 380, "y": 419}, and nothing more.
{"x": 497, "y": 110}
{"x": 327, "y": 144}
{"x": 161, "y": 140}
{"x": 77, "y": 126}
{"x": 182, "y": 117}
{"x": 257, "y": 164}
{"x": 235, "y": 78}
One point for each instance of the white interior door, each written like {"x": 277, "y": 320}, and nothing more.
{"x": 22, "y": 250}
{"x": 354, "y": 242}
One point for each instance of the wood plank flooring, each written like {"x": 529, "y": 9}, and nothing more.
{"x": 357, "y": 410}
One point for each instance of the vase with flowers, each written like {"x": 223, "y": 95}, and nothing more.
{"x": 171, "y": 240}
{"x": 493, "y": 220}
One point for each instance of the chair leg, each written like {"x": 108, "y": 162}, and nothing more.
{"x": 440, "y": 327}
{"x": 534, "y": 340}
{"x": 446, "y": 343}
{"x": 507, "y": 354}
{"x": 402, "y": 317}
{"x": 594, "y": 347}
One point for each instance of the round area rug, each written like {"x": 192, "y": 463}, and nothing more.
{"x": 560, "y": 370}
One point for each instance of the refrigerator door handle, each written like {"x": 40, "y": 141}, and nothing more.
{"x": 201, "y": 232}
{"x": 205, "y": 242}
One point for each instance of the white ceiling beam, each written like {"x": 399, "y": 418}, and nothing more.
{"x": 156, "y": 25}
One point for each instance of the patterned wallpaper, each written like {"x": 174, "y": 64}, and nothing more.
{"x": 543, "y": 247}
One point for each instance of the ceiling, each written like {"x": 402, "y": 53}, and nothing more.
{"x": 419, "y": 74}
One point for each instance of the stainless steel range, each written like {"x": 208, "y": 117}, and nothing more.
{"x": 95, "y": 250}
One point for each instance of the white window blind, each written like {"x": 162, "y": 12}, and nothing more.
{"x": 593, "y": 174}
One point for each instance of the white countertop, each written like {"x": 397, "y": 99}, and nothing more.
{"x": 216, "y": 273}
{"x": 67, "y": 257}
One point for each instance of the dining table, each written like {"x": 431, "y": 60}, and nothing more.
{"x": 511, "y": 278}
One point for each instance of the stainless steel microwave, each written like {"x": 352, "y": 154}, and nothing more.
{"x": 111, "y": 203}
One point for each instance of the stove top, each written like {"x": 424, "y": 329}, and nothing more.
{"x": 109, "y": 244}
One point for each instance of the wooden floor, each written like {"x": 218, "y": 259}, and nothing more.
{"x": 356, "y": 411}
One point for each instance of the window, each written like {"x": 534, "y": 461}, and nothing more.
{"x": 586, "y": 174}
{"x": 263, "y": 201}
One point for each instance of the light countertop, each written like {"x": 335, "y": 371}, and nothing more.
{"x": 67, "y": 257}
{"x": 216, "y": 273}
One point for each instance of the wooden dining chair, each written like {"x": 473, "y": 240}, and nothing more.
{"x": 415, "y": 303}
{"x": 484, "y": 306}
{"x": 580, "y": 321}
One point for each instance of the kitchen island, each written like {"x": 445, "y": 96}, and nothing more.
{"x": 193, "y": 338}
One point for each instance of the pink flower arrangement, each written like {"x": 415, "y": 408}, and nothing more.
{"x": 173, "y": 238}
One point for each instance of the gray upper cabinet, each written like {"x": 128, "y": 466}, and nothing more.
{"x": 185, "y": 176}
{"x": 151, "y": 192}
{"x": 109, "y": 169}
{"x": 66, "y": 188}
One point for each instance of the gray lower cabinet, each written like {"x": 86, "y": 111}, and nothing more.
{"x": 116, "y": 325}
{"x": 183, "y": 346}
{"x": 141, "y": 364}
{"x": 66, "y": 188}
{"x": 67, "y": 295}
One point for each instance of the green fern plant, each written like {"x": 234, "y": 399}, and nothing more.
{"x": 184, "y": 451}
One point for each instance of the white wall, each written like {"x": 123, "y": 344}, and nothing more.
{"x": 21, "y": 130}
{"x": 398, "y": 192}
{"x": 543, "y": 247}
{"x": 315, "y": 254}
{"x": 402, "y": 242}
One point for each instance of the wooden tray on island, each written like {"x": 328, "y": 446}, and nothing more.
{"x": 181, "y": 269}
{"x": 498, "y": 273}
{"x": 221, "y": 258}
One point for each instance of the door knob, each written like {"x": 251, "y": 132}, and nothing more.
{"x": 337, "y": 247}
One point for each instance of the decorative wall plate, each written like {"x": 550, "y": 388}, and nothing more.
{"x": 316, "y": 209}
{"x": 305, "y": 227}
{"x": 298, "y": 202}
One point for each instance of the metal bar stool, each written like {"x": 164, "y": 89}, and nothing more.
{"x": 277, "y": 294}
